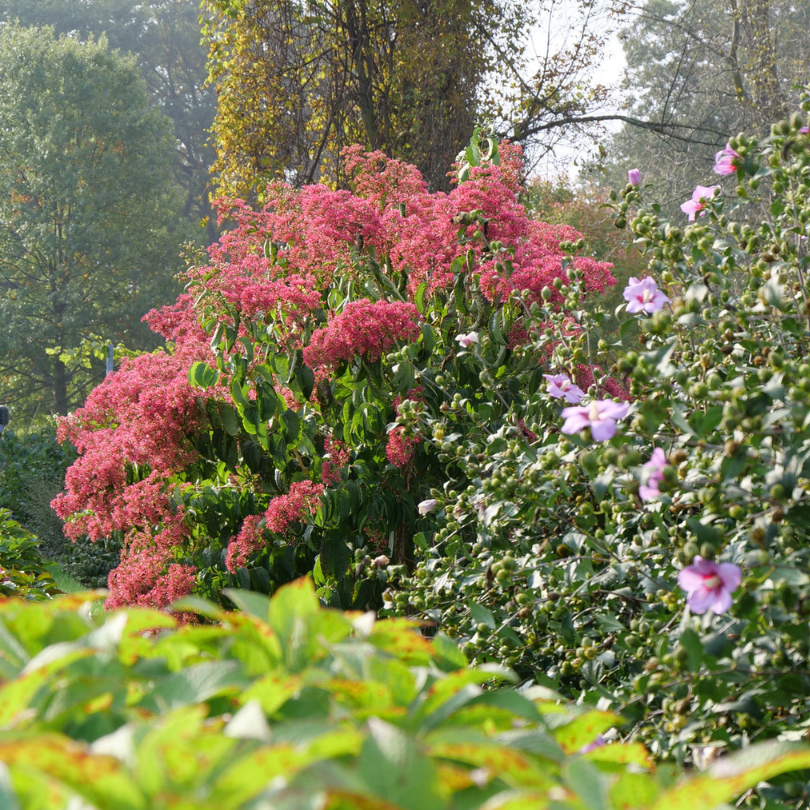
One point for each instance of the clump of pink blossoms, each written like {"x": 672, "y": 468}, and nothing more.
{"x": 364, "y": 329}
{"x": 709, "y": 585}
{"x": 303, "y": 499}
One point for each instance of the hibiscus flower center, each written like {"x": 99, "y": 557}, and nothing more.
{"x": 593, "y": 414}
{"x": 712, "y": 583}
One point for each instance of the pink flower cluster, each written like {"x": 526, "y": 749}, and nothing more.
{"x": 272, "y": 269}
{"x": 333, "y": 465}
{"x": 149, "y": 578}
{"x": 366, "y": 329}
{"x": 302, "y": 500}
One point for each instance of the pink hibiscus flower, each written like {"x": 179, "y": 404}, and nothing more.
{"x": 709, "y": 585}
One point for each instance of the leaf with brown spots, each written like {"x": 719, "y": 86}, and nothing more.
{"x": 584, "y": 729}
{"x": 514, "y": 767}
{"x": 622, "y": 754}
{"x": 730, "y": 777}
{"x": 99, "y": 780}
{"x": 16, "y": 695}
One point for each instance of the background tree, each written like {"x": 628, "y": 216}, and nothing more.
{"x": 701, "y": 72}
{"x": 297, "y": 82}
{"x": 164, "y": 36}
{"x": 88, "y": 236}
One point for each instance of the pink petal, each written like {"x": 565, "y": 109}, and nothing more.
{"x": 575, "y": 422}
{"x": 701, "y": 600}
{"x": 612, "y": 410}
{"x": 731, "y": 575}
{"x": 722, "y": 601}
{"x": 603, "y": 430}
{"x": 647, "y": 493}
{"x": 574, "y": 394}
{"x": 690, "y": 580}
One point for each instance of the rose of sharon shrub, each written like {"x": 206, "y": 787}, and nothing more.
{"x": 283, "y": 432}
{"x": 562, "y": 554}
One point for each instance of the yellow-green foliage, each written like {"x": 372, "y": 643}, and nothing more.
{"x": 288, "y": 705}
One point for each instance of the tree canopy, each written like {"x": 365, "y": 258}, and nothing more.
{"x": 164, "y": 36}
{"x": 87, "y": 242}
{"x": 700, "y": 72}
{"x": 297, "y": 82}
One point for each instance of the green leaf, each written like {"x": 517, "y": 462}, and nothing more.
{"x": 98, "y": 779}
{"x": 334, "y": 556}
{"x": 296, "y": 600}
{"x": 703, "y": 532}
{"x": 229, "y": 418}
{"x": 446, "y": 650}
{"x": 292, "y": 426}
{"x": 201, "y": 375}
{"x": 254, "y": 604}
{"x": 694, "y": 647}
{"x": 395, "y": 769}
{"x": 482, "y": 615}
{"x": 196, "y": 684}
{"x": 733, "y": 775}
{"x": 419, "y": 298}
{"x": 306, "y": 380}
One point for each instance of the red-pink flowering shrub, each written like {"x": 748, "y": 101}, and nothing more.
{"x": 224, "y": 460}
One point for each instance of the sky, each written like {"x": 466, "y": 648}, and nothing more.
{"x": 609, "y": 72}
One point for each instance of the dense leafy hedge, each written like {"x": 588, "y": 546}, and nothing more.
{"x": 566, "y": 554}
{"x": 286, "y": 705}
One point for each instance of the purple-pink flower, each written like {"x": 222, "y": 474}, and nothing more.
{"x": 709, "y": 585}
{"x": 655, "y": 466}
{"x": 804, "y": 130}
{"x": 465, "y": 341}
{"x": 598, "y": 742}
{"x": 643, "y": 295}
{"x": 634, "y": 177}
{"x": 698, "y": 202}
{"x": 560, "y": 386}
{"x": 725, "y": 161}
{"x": 600, "y": 416}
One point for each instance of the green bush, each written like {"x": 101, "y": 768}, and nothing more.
{"x": 287, "y": 705}
{"x": 22, "y": 571}
{"x": 550, "y": 560}
{"x": 32, "y": 473}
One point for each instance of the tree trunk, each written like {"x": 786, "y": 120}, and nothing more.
{"x": 60, "y": 383}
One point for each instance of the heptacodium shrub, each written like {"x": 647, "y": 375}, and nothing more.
{"x": 285, "y": 705}
{"x": 652, "y": 555}
{"x": 288, "y": 428}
